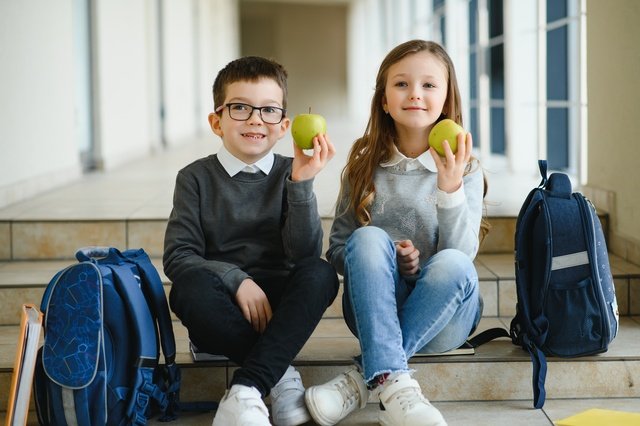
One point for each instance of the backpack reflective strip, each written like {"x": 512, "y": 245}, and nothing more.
{"x": 570, "y": 260}
{"x": 68, "y": 402}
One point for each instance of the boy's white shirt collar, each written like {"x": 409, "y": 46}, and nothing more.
{"x": 234, "y": 165}
{"x": 425, "y": 159}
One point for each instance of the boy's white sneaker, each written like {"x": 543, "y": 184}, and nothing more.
{"x": 402, "y": 404}
{"x": 336, "y": 399}
{"x": 287, "y": 400}
{"x": 241, "y": 406}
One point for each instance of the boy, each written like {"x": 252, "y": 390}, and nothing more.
{"x": 243, "y": 245}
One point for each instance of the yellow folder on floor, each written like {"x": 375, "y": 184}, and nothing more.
{"x": 598, "y": 417}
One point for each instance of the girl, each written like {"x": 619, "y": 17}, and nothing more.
{"x": 404, "y": 237}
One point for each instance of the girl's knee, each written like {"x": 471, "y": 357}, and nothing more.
{"x": 369, "y": 242}
{"x": 368, "y": 235}
{"x": 452, "y": 260}
{"x": 451, "y": 267}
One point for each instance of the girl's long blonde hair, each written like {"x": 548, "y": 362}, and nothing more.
{"x": 376, "y": 145}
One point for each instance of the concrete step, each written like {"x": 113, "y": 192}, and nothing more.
{"x": 25, "y": 281}
{"x": 60, "y": 239}
{"x": 498, "y": 371}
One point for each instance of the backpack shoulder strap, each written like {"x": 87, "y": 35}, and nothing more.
{"x": 154, "y": 290}
{"x": 143, "y": 328}
{"x": 539, "y": 366}
{"x": 487, "y": 336}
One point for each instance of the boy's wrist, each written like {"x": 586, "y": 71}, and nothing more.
{"x": 299, "y": 191}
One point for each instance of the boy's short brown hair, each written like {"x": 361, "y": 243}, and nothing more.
{"x": 249, "y": 68}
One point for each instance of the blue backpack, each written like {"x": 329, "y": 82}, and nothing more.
{"x": 103, "y": 321}
{"x": 566, "y": 301}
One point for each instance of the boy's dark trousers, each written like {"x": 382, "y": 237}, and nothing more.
{"x": 216, "y": 324}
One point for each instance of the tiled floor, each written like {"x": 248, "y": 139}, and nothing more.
{"x": 462, "y": 413}
{"x": 473, "y": 413}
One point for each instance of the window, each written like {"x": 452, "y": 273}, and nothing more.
{"x": 486, "y": 75}
{"x": 562, "y": 103}
{"x": 556, "y": 53}
{"x": 439, "y": 22}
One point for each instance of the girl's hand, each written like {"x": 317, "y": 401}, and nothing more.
{"x": 408, "y": 257}
{"x": 451, "y": 169}
{"x": 307, "y": 166}
{"x": 254, "y": 304}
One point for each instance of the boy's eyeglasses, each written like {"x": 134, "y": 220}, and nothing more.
{"x": 242, "y": 112}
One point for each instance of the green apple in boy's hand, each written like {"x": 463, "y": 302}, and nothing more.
{"x": 305, "y": 127}
{"x": 446, "y": 129}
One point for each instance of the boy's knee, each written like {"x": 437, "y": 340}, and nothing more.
{"x": 321, "y": 274}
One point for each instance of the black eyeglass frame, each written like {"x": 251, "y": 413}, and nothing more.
{"x": 253, "y": 108}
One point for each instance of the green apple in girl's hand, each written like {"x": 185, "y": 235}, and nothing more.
{"x": 305, "y": 127}
{"x": 446, "y": 129}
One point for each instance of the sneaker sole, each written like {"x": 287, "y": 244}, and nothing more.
{"x": 295, "y": 418}
{"x": 313, "y": 410}
{"x": 384, "y": 421}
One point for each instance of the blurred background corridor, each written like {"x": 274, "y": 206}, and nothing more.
{"x": 90, "y": 85}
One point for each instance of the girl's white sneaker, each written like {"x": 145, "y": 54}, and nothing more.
{"x": 336, "y": 399}
{"x": 402, "y": 404}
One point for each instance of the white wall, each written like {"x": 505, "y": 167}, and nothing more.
{"x": 121, "y": 90}
{"x": 314, "y": 58}
{"x": 39, "y": 127}
{"x": 219, "y": 43}
{"x": 37, "y": 134}
{"x": 613, "y": 67}
{"x": 363, "y": 63}
{"x": 521, "y": 88}
{"x": 200, "y": 37}
{"x": 179, "y": 62}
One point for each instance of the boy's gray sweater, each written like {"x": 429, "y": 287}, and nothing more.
{"x": 239, "y": 226}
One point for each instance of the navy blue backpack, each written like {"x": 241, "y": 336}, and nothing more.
{"x": 104, "y": 321}
{"x": 566, "y": 301}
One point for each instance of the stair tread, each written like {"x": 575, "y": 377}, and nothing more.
{"x": 333, "y": 344}
{"x": 30, "y": 273}
{"x": 489, "y": 266}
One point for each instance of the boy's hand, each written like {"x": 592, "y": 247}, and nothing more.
{"x": 451, "y": 170}
{"x": 254, "y": 304}
{"x": 408, "y": 257}
{"x": 307, "y": 166}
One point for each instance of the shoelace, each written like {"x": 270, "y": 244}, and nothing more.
{"x": 348, "y": 390}
{"x": 409, "y": 397}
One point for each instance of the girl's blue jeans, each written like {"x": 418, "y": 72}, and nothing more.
{"x": 394, "y": 316}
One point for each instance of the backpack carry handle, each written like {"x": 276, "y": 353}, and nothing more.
{"x": 557, "y": 185}
{"x": 89, "y": 253}
{"x": 542, "y": 165}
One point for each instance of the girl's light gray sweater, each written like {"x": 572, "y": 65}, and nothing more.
{"x": 407, "y": 205}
